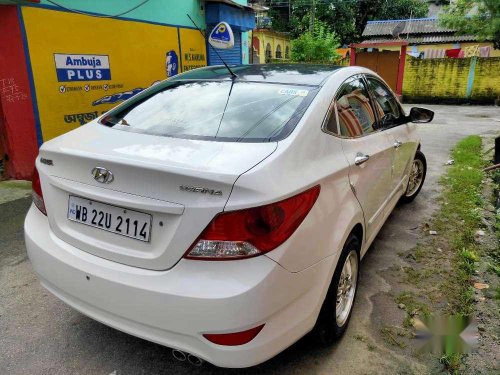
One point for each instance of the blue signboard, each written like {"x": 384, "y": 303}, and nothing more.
{"x": 73, "y": 67}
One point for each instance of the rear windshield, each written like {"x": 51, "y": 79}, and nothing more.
{"x": 214, "y": 110}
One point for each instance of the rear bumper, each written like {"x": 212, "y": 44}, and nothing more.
{"x": 175, "y": 307}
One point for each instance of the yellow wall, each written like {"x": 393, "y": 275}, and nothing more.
{"x": 266, "y": 37}
{"x": 446, "y": 79}
{"x": 486, "y": 83}
{"x": 136, "y": 52}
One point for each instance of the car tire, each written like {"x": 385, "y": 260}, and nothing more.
{"x": 329, "y": 327}
{"x": 417, "y": 177}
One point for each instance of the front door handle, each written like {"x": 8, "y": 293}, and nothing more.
{"x": 361, "y": 158}
{"x": 397, "y": 144}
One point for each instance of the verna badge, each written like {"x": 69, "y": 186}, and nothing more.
{"x": 202, "y": 190}
{"x": 102, "y": 175}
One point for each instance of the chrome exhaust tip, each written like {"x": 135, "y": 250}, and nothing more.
{"x": 194, "y": 360}
{"x": 178, "y": 355}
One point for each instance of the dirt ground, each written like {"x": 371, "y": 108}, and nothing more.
{"x": 41, "y": 335}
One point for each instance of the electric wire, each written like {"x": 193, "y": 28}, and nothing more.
{"x": 97, "y": 15}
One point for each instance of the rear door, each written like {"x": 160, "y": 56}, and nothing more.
{"x": 367, "y": 150}
{"x": 402, "y": 136}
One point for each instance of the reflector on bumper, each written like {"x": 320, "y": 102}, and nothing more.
{"x": 233, "y": 339}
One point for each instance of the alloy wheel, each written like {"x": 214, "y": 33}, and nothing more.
{"x": 346, "y": 289}
{"x": 416, "y": 177}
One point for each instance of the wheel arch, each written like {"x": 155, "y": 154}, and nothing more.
{"x": 358, "y": 231}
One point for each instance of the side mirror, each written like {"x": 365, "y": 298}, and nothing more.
{"x": 420, "y": 115}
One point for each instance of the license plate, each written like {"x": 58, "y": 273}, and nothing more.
{"x": 110, "y": 218}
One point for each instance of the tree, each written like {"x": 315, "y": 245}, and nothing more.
{"x": 474, "y": 17}
{"x": 317, "y": 45}
{"x": 400, "y": 9}
{"x": 347, "y": 18}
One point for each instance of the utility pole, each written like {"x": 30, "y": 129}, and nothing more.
{"x": 409, "y": 25}
{"x": 313, "y": 10}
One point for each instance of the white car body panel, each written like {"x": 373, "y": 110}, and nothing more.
{"x": 285, "y": 174}
{"x": 371, "y": 181}
{"x": 403, "y": 155}
{"x": 174, "y": 307}
{"x": 149, "y": 290}
{"x": 148, "y": 173}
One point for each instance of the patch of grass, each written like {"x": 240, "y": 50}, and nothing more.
{"x": 360, "y": 338}
{"x": 363, "y": 339}
{"x": 457, "y": 222}
{"x": 465, "y": 262}
{"x": 420, "y": 253}
{"x": 416, "y": 276}
{"x": 497, "y": 225}
{"x": 391, "y": 337}
{"x": 495, "y": 254}
{"x": 16, "y": 184}
{"x": 468, "y": 256}
{"x": 412, "y": 305}
{"x": 494, "y": 268}
{"x": 444, "y": 266}
{"x": 451, "y": 363}
{"x": 459, "y": 218}
{"x": 408, "y": 321}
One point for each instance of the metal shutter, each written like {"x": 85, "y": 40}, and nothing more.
{"x": 231, "y": 56}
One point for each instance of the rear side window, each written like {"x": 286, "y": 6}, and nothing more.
{"x": 385, "y": 103}
{"x": 354, "y": 110}
{"x": 215, "y": 110}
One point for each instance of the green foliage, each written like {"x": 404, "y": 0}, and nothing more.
{"x": 474, "y": 17}
{"x": 316, "y": 46}
{"x": 400, "y": 9}
{"x": 279, "y": 19}
{"x": 412, "y": 304}
{"x": 469, "y": 256}
{"x": 346, "y": 19}
{"x": 462, "y": 197}
{"x": 451, "y": 362}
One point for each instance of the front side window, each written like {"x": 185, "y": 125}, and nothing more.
{"x": 385, "y": 103}
{"x": 354, "y": 110}
{"x": 214, "y": 110}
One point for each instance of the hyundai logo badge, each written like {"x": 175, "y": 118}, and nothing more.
{"x": 102, "y": 175}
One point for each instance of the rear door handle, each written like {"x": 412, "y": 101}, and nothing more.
{"x": 397, "y": 144}
{"x": 360, "y": 158}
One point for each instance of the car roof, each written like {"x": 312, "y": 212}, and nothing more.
{"x": 293, "y": 74}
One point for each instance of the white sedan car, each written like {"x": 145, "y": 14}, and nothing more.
{"x": 221, "y": 216}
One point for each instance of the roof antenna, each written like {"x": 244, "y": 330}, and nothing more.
{"x": 233, "y": 76}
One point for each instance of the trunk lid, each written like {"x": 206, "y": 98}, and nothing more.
{"x": 181, "y": 183}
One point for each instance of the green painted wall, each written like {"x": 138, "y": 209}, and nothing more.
{"x": 163, "y": 11}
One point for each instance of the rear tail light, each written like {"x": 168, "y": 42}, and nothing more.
{"x": 252, "y": 231}
{"x": 36, "y": 193}
{"x": 233, "y": 339}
